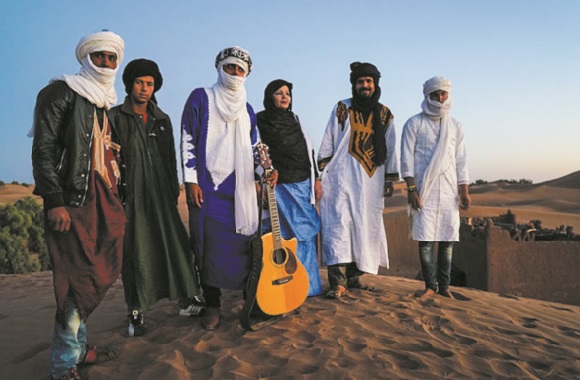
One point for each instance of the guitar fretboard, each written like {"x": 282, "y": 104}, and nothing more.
{"x": 274, "y": 218}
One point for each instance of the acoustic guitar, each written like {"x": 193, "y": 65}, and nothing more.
{"x": 283, "y": 282}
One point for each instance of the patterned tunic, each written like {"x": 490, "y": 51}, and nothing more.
{"x": 222, "y": 254}
{"x": 351, "y": 208}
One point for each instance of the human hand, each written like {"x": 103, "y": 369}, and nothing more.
{"x": 272, "y": 178}
{"x": 465, "y": 201}
{"x": 414, "y": 200}
{"x": 317, "y": 189}
{"x": 59, "y": 219}
{"x": 464, "y": 197}
{"x": 193, "y": 194}
{"x": 388, "y": 189}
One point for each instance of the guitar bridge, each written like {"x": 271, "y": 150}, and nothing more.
{"x": 282, "y": 280}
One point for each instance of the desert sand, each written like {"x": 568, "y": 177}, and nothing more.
{"x": 388, "y": 334}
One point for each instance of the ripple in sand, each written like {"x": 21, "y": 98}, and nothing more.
{"x": 303, "y": 337}
{"x": 433, "y": 322}
{"x": 573, "y": 333}
{"x": 404, "y": 361}
{"x": 529, "y": 323}
{"x": 200, "y": 361}
{"x": 32, "y": 351}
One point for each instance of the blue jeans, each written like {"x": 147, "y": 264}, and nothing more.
{"x": 68, "y": 343}
{"x": 436, "y": 270}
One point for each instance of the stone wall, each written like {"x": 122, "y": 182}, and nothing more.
{"x": 492, "y": 261}
{"x": 403, "y": 252}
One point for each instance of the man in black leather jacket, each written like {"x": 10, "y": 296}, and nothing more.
{"x": 76, "y": 171}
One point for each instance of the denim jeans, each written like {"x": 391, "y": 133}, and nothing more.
{"x": 69, "y": 343}
{"x": 436, "y": 270}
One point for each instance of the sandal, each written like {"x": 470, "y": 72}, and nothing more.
{"x": 70, "y": 375}
{"x": 336, "y": 293}
{"x": 95, "y": 356}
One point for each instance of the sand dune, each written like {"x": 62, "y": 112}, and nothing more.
{"x": 389, "y": 334}
{"x": 384, "y": 335}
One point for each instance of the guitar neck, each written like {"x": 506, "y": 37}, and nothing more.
{"x": 274, "y": 218}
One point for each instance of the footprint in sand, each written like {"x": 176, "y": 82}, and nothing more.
{"x": 404, "y": 361}
{"x": 433, "y": 322}
{"x": 529, "y": 323}
{"x": 573, "y": 333}
{"x": 304, "y": 337}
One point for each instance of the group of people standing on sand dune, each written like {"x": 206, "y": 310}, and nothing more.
{"x": 108, "y": 178}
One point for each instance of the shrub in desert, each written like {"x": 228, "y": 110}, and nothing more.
{"x": 22, "y": 245}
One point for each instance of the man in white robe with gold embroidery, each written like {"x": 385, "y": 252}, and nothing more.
{"x": 358, "y": 163}
{"x": 434, "y": 166}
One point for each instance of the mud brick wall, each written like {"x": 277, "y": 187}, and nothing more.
{"x": 542, "y": 270}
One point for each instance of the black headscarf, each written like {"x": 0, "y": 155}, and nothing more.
{"x": 141, "y": 68}
{"x": 368, "y": 105}
{"x": 281, "y": 131}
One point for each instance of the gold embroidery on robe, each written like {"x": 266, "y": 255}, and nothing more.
{"x": 361, "y": 141}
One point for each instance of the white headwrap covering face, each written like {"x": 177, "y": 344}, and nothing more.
{"x": 93, "y": 83}
{"x": 437, "y": 112}
{"x": 229, "y": 147}
{"x": 96, "y": 84}
{"x": 432, "y": 108}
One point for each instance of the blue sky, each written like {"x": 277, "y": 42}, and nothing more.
{"x": 514, "y": 64}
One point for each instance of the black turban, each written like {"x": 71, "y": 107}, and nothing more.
{"x": 366, "y": 106}
{"x": 141, "y": 68}
{"x": 364, "y": 69}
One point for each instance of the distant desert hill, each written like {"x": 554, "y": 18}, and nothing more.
{"x": 12, "y": 193}
{"x": 555, "y": 202}
{"x": 570, "y": 181}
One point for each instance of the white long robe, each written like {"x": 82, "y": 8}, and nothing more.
{"x": 438, "y": 220}
{"x": 351, "y": 208}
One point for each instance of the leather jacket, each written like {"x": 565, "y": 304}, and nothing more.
{"x": 61, "y": 150}
{"x": 125, "y": 122}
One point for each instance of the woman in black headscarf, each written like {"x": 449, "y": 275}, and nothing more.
{"x": 298, "y": 187}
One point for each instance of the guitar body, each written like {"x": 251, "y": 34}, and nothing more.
{"x": 283, "y": 284}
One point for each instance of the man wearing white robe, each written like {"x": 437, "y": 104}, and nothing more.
{"x": 434, "y": 166}
{"x": 358, "y": 163}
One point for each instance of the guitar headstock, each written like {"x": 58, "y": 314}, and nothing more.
{"x": 264, "y": 156}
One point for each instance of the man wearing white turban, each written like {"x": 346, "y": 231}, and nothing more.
{"x": 76, "y": 172}
{"x": 218, "y": 141}
{"x": 434, "y": 166}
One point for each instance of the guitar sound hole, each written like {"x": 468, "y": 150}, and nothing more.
{"x": 279, "y": 256}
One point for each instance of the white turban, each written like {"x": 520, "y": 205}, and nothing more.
{"x": 96, "y": 84}
{"x": 100, "y": 41}
{"x": 436, "y": 83}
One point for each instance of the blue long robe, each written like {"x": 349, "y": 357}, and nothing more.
{"x": 221, "y": 254}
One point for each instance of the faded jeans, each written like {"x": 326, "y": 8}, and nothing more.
{"x": 69, "y": 343}
{"x": 436, "y": 270}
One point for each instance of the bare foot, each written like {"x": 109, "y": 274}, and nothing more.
{"x": 336, "y": 293}
{"x": 447, "y": 293}
{"x": 427, "y": 293}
